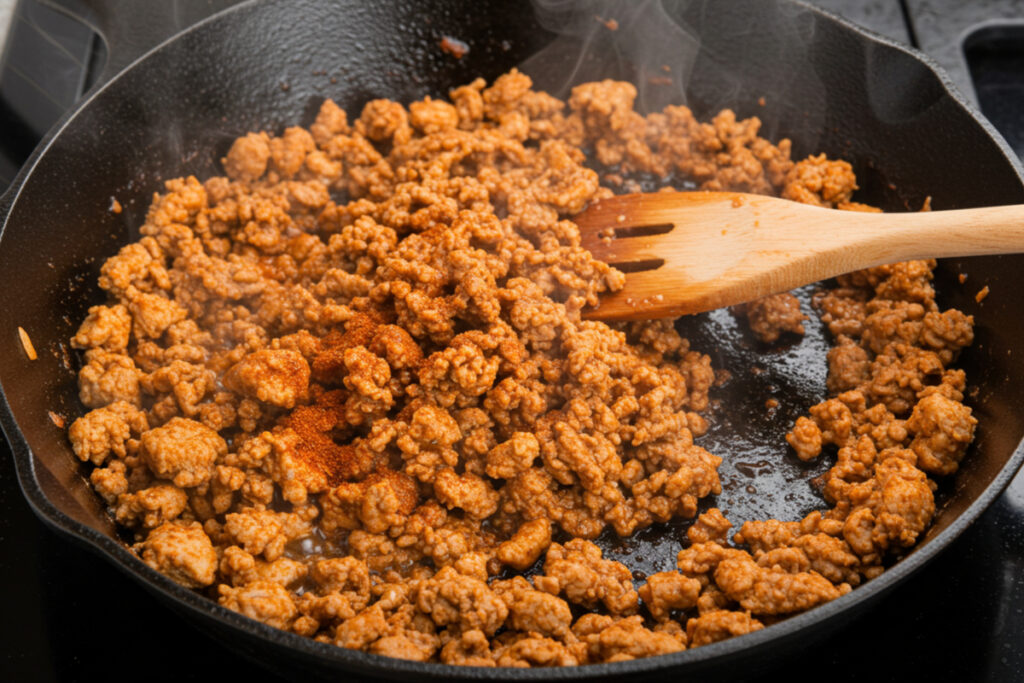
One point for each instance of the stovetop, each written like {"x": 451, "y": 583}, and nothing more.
{"x": 71, "y": 616}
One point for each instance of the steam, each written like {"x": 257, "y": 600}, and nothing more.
{"x": 655, "y": 45}
{"x": 632, "y": 41}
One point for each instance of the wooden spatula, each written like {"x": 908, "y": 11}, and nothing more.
{"x": 687, "y": 252}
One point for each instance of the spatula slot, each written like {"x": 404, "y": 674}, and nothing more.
{"x": 644, "y": 230}
{"x": 638, "y": 266}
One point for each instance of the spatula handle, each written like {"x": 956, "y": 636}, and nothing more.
{"x": 886, "y": 238}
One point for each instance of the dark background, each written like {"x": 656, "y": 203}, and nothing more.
{"x": 69, "y": 616}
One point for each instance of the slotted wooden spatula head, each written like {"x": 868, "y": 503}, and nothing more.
{"x": 687, "y": 252}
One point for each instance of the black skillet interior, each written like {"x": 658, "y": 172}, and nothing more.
{"x": 265, "y": 65}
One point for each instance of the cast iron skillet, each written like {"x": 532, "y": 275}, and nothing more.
{"x": 828, "y": 85}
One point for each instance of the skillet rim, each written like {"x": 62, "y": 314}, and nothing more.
{"x": 199, "y": 606}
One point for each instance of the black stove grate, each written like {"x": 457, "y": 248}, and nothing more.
{"x": 995, "y": 57}
{"x": 46, "y": 64}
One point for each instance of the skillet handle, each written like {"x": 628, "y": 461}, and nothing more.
{"x": 131, "y": 28}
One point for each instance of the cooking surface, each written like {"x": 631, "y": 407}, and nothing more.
{"x": 78, "y": 618}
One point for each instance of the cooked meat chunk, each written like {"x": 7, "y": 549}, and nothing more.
{"x": 529, "y": 652}
{"x": 767, "y": 591}
{"x": 890, "y": 509}
{"x": 820, "y": 181}
{"x": 628, "y": 639}
{"x": 110, "y": 431}
{"x": 111, "y": 481}
{"x": 264, "y": 601}
{"x": 469, "y": 492}
{"x": 710, "y": 526}
{"x": 151, "y": 507}
{"x": 380, "y": 502}
{"x": 106, "y": 327}
{"x": 451, "y": 598}
{"x": 152, "y": 314}
{"x": 241, "y": 568}
{"x": 720, "y": 625}
{"x": 108, "y": 377}
{"x": 470, "y": 648}
{"x": 534, "y": 611}
{"x": 280, "y": 378}
{"x": 512, "y": 457}
{"x": 772, "y": 316}
{"x": 526, "y": 545}
{"x": 248, "y": 156}
{"x": 942, "y": 430}
{"x": 263, "y": 531}
{"x": 182, "y": 450}
{"x": 578, "y": 570}
{"x": 666, "y": 591}
{"x": 805, "y": 438}
{"x": 181, "y": 551}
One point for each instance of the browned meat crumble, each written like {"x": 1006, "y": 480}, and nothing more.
{"x": 346, "y": 389}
